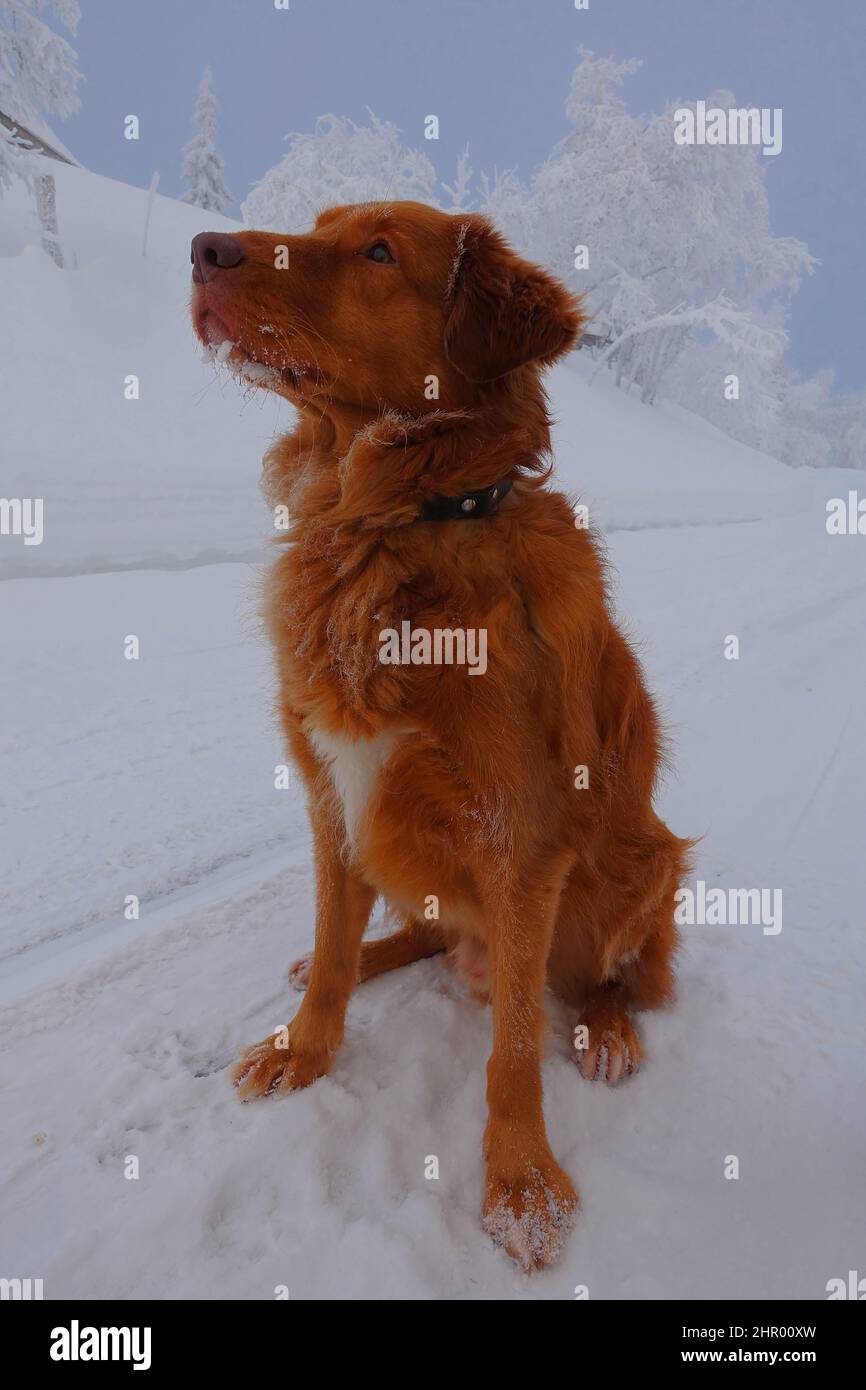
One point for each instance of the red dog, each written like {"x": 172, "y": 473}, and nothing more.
{"x": 412, "y": 343}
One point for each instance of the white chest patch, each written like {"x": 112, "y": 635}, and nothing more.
{"x": 354, "y": 765}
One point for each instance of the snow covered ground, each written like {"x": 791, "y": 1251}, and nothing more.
{"x": 156, "y": 778}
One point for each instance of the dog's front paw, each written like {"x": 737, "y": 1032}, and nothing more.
{"x": 275, "y": 1066}
{"x": 530, "y": 1216}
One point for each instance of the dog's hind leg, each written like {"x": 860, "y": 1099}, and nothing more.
{"x": 607, "y": 1042}
{"x": 613, "y": 956}
{"x": 414, "y": 941}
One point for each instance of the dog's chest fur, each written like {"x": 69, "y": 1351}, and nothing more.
{"x": 355, "y": 766}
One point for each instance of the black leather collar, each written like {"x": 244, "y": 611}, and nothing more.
{"x": 469, "y": 506}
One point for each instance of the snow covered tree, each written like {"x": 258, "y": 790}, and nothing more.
{"x": 340, "y": 162}
{"x": 459, "y": 190}
{"x": 736, "y": 381}
{"x": 849, "y": 434}
{"x": 203, "y": 169}
{"x": 820, "y": 428}
{"x": 512, "y": 209}
{"x": 38, "y": 77}
{"x": 806, "y": 438}
{"x": 723, "y": 238}
{"x": 670, "y": 245}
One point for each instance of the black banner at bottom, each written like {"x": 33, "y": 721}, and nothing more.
{"x": 68, "y": 1337}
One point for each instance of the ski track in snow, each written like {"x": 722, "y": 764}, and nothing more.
{"x": 156, "y": 777}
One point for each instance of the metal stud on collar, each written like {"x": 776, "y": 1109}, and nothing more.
{"x": 467, "y": 506}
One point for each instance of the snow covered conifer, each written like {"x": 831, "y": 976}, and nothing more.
{"x": 203, "y": 167}
{"x": 460, "y": 190}
{"x": 38, "y": 76}
{"x": 339, "y": 162}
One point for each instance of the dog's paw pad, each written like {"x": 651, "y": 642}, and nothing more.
{"x": 300, "y": 971}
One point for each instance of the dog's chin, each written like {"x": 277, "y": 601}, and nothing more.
{"x": 296, "y": 381}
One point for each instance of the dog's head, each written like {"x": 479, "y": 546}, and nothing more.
{"x": 383, "y": 306}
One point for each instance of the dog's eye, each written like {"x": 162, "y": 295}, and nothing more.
{"x": 380, "y": 253}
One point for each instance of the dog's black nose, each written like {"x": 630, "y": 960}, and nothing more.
{"x": 213, "y": 251}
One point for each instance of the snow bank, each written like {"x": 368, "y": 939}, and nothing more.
{"x": 170, "y": 477}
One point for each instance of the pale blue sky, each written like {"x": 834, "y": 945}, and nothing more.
{"x": 496, "y": 72}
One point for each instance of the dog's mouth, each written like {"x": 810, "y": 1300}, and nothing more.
{"x": 267, "y": 364}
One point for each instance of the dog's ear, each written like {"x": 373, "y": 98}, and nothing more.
{"x": 503, "y": 311}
